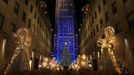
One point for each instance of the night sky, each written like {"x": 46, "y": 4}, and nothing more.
{"x": 51, "y": 11}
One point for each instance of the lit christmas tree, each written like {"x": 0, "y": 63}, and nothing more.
{"x": 66, "y": 56}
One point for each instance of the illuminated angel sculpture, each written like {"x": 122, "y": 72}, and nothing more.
{"x": 107, "y": 58}
{"x": 23, "y": 41}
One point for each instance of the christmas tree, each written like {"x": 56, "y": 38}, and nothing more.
{"x": 66, "y": 56}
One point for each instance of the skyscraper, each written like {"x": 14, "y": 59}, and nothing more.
{"x": 65, "y": 29}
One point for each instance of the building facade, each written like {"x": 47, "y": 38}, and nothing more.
{"x": 116, "y": 13}
{"x": 31, "y": 14}
{"x": 65, "y": 29}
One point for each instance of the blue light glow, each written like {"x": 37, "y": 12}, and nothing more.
{"x": 65, "y": 30}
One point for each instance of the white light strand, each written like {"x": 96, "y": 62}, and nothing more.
{"x": 23, "y": 43}
{"x": 106, "y": 43}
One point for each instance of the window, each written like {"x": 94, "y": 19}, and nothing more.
{"x": 99, "y": 8}
{"x": 35, "y": 15}
{"x": 114, "y": 8}
{"x": 94, "y": 32}
{"x": 29, "y": 23}
{"x": 104, "y": 2}
{"x": 24, "y": 16}
{"x": 124, "y": 1}
{"x": 106, "y": 17}
{"x": 130, "y": 19}
{"x": 31, "y": 9}
{"x": 14, "y": 28}
{"x": 36, "y": 2}
{"x": 97, "y": 28}
{"x": 1, "y": 20}
{"x": 40, "y": 24}
{"x": 103, "y": 36}
{"x": 91, "y": 35}
{"x": 95, "y": 14}
{"x": 90, "y": 24}
{"x": 133, "y": 51}
{"x": 16, "y": 8}
{"x": 117, "y": 28}
{"x": 92, "y": 20}
{"x": 6, "y": 1}
{"x": 38, "y": 20}
{"x": 101, "y": 22}
{"x": 26, "y": 2}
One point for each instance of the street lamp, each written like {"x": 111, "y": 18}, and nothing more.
{"x": 30, "y": 64}
{"x": 3, "y": 49}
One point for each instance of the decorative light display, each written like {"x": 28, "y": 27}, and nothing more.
{"x": 45, "y": 62}
{"x": 108, "y": 43}
{"x": 65, "y": 25}
{"x": 51, "y": 64}
{"x": 81, "y": 63}
{"x": 43, "y": 8}
{"x": 86, "y": 8}
{"x": 23, "y": 40}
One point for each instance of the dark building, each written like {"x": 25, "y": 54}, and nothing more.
{"x": 31, "y": 14}
{"x": 116, "y": 13}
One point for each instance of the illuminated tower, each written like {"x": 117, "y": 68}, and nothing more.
{"x": 65, "y": 29}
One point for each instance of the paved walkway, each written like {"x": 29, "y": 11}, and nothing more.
{"x": 47, "y": 72}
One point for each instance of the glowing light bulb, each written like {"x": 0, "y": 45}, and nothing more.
{"x": 83, "y": 56}
{"x": 83, "y": 63}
